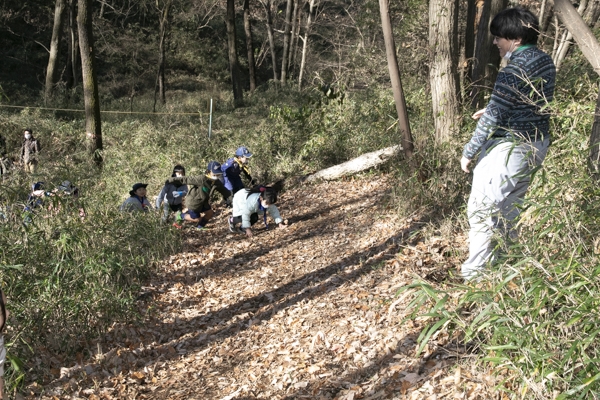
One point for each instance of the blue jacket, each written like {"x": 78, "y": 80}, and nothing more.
{"x": 232, "y": 170}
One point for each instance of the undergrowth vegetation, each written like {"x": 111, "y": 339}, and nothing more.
{"x": 70, "y": 269}
{"x": 68, "y": 277}
{"x": 534, "y": 318}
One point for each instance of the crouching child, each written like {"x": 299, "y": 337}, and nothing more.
{"x": 249, "y": 205}
{"x": 171, "y": 195}
{"x": 199, "y": 211}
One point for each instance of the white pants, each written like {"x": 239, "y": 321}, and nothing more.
{"x": 500, "y": 181}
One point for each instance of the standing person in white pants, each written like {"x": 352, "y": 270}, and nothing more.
{"x": 512, "y": 135}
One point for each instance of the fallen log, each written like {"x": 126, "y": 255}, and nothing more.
{"x": 358, "y": 164}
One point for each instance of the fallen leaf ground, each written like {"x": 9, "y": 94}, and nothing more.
{"x": 307, "y": 312}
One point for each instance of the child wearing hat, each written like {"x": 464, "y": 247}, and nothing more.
{"x": 171, "y": 195}
{"x": 199, "y": 210}
{"x": 234, "y": 167}
{"x": 137, "y": 200}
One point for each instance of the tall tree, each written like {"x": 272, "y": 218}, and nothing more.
{"x": 249, "y": 45}
{"x": 73, "y": 54}
{"x": 470, "y": 32}
{"x": 583, "y": 35}
{"x": 567, "y": 37}
{"x": 443, "y": 71}
{"x": 286, "y": 41}
{"x": 160, "y": 87}
{"x": 234, "y": 65}
{"x": 52, "y": 68}
{"x": 390, "y": 50}
{"x": 294, "y": 36}
{"x": 309, "y": 19}
{"x": 93, "y": 129}
{"x": 269, "y": 22}
{"x": 590, "y": 48}
{"x": 487, "y": 58}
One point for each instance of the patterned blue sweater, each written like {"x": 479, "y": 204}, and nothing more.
{"x": 516, "y": 108}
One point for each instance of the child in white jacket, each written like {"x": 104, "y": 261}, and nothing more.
{"x": 250, "y": 204}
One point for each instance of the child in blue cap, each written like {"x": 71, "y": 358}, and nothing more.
{"x": 234, "y": 167}
{"x": 197, "y": 199}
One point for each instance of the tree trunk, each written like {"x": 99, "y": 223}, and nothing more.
{"x": 160, "y": 87}
{"x": 358, "y": 164}
{"x": 52, "y": 68}
{"x": 300, "y": 4}
{"x": 234, "y": 65}
{"x": 294, "y": 38}
{"x": 305, "y": 42}
{"x": 390, "y": 50}
{"x": 269, "y": 24}
{"x": 73, "y": 56}
{"x": 286, "y": 41}
{"x": 249, "y": 46}
{"x": 590, "y": 48}
{"x": 443, "y": 76}
{"x": 582, "y": 34}
{"x": 487, "y": 57}
{"x": 565, "y": 43}
{"x": 556, "y": 35}
{"x": 90, "y": 83}
{"x": 470, "y": 34}
{"x": 546, "y": 22}
{"x": 592, "y": 13}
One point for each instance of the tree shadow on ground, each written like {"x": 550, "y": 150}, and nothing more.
{"x": 237, "y": 262}
{"x": 230, "y": 320}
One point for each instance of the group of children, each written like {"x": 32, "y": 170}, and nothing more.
{"x": 189, "y": 196}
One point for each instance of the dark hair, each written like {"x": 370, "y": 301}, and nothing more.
{"x": 516, "y": 23}
{"x": 28, "y": 130}
{"x": 178, "y": 168}
{"x": 267, "y": 193}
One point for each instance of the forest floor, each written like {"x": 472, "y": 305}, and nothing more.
{"x": 307, "y": 312}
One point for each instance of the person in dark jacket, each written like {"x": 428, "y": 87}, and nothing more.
{"x": 29, "y": 151}
{"x": 199, "y": 210}
{"x": 234, "y": 167}
{"x": 171, "y": 195}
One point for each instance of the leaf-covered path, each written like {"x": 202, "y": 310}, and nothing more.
{"x": 309, "y": 312}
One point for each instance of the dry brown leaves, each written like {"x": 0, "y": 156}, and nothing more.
{"x": 310, "y": 312}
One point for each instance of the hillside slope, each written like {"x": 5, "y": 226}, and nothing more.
{"x": 310, "y": 311}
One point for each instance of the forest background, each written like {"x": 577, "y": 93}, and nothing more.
{"x": 304, "y": 85}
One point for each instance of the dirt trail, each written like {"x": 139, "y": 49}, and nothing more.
{"x": 307, "y": 312}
